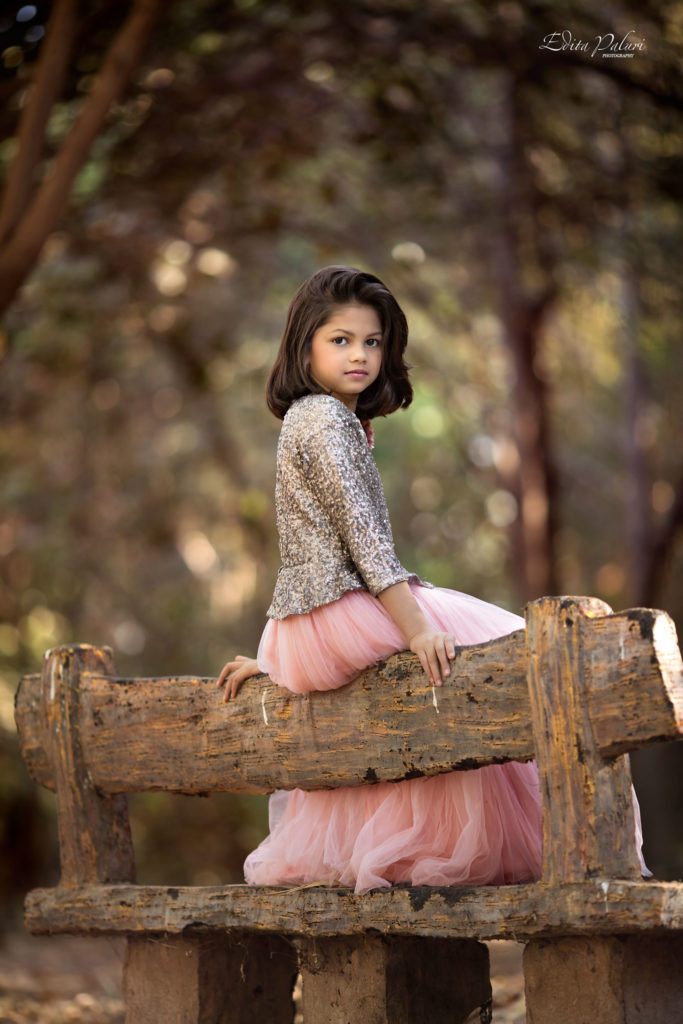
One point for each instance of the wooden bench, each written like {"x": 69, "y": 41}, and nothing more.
{"x": 577, "y": 690}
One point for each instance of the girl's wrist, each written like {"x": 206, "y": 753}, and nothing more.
{"x": 405, "y": 611}
{"x": 416, "y": 628}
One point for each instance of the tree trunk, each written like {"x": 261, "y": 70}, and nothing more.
{"x": 534, "y": 480}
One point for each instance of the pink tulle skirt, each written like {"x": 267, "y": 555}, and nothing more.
{"x": 467, "y": 827}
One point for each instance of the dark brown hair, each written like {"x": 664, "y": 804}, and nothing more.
{"x": 311, "y": 308}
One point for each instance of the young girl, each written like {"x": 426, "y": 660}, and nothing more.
{"x": 343, "y": 601}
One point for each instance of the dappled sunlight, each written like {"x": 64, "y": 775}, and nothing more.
{"x": 428, "y": 420}
{"x": 216, "y": 263}
{"x": 233, "y": 588}
{"x": 198, "y": 552}
{"x": 169, "y": 278}
{"x": 501, "y": 508}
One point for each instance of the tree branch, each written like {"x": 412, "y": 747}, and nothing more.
{"x": 49, "y": 77}
{"x": 20, "y": 253}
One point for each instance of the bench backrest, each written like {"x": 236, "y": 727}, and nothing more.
{"x": 576, "y": 690}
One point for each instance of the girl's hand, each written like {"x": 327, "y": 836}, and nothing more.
{"x": 234, "y": 673}
{"x": 435, "y": 651}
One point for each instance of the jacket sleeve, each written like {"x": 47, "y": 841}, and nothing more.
{"x": 344, "y": 479}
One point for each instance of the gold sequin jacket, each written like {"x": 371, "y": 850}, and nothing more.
{"x": 332, "y": 517}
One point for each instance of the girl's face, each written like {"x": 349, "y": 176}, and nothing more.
{"x": 346, "y": 352}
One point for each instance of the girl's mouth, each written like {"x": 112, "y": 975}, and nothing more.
{"x": 356, "y": 373}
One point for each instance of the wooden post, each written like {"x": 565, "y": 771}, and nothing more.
{"x": 618, "y": 980}
{"x": 393, "y": 980}
{"x": 188, "y": 980}
{"x": 588, "y": 832}
{"x": 588, "y": 826}
{"x": 209, "y": 978}
{"x": 94, "y": 834}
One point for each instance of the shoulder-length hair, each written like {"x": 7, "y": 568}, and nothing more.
{"x": 311, "y": 308}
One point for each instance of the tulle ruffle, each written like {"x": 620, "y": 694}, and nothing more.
{"x": 330, "y": 645}
{"x": 468, "y": 827}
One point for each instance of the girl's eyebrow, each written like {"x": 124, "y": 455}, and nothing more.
{"x": 334, "y": 331}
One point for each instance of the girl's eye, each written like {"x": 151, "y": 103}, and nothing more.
{"x": 341, "y": 340}
{"x": 373, "y": 342}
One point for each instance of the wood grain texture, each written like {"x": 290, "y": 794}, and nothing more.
{"x": 177, "y": 734}
{"x": 215, "y": 978}
{"x": 392, "y": 979}
{"x": 588, "y": 823}
{"x": 593, "y": 907}
{"x": 631, "y": 658}
{"x": 624, "y": 979}
{"x": 94, "y": 835}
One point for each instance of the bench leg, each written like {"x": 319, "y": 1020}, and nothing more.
{"x": 392, "y": 980}
{"x": 628, "y": 979}
{"x": 209, "y": 979}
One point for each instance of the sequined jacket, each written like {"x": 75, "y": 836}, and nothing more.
{"x": 332, "y": 517}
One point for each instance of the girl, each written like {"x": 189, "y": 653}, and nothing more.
{"x": 343, "y": 601}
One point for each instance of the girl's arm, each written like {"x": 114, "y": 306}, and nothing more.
{"x": 434, "y": 649}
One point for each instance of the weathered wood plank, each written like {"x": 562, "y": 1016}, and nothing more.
{"x": 588, "y": 824}
{"x": 94, "y": 835}
{"x": 645, "y": 646}
{"x": 177, "y": 734}
{"x": 592, "y": 907}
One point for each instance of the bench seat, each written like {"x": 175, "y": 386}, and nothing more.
{"x": 592, "y": 907}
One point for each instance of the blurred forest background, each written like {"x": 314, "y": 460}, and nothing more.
{"x": 171, "y": 173}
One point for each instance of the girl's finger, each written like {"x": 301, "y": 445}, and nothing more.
{"x": 223, "y": 677}
{"x": 424, "y": 661}
{"x": 229, "y": 667}
{"x": 230, "y": 690}
{"x": 434, "y": 672}
{"x": 434, "y": 657}
{"x": 236, "y": 684}
{"x": 443, "y": 659}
